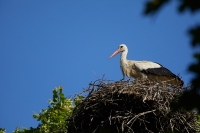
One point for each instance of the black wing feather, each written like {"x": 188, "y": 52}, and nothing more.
{"x": 161, "y": 71}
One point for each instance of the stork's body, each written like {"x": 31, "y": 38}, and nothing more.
{"x": 145, "y": 69}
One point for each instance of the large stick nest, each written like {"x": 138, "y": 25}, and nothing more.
{"x": 130, "y": 106}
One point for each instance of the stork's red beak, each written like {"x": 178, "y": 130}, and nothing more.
{"x": 115, "y": 53}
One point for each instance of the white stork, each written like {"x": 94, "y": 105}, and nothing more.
{"x": 145, "y": 69}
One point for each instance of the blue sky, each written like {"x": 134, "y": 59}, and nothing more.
{"x": 46, "y": 44}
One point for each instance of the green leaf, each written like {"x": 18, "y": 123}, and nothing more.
{"x": 153, "y": 6}
{"x": 54, "y": 117}
{"x": 2, "y": 130}
{"x": 195, "y": 35}
{"x": 192, "y": 5}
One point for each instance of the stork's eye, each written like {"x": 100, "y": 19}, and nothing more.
{"x": 121, "y": 46}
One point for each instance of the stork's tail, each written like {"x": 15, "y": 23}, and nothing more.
{"x": 178, "y": 82}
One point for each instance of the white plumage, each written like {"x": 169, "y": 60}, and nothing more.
{"x": 145, "y": 69}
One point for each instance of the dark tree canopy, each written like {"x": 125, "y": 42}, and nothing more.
{"x": 190, "y": 99}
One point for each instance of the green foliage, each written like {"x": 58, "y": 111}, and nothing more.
{"x": 198, "y": 120}
{"x": 154, "y": 5}
{"x": 2, "y": 130}
{"x": 192, "y": 5}
{"x": 25, "y": 130}
{"x": 53, "y": 119}
{"x": 195, "y": 35}
{"x": 78, "y": 99}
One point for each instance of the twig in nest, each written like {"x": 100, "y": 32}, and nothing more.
{"x": 124, "y": 106}
{"x": 138, "y": 115}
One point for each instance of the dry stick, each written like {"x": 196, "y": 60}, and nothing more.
{"x": 95, "y": 74}
{"x": 96, "y": 129}
{"x": 186, "y": 122}
{"x": 172, "y": 126}
{"x": 140, "y": 114}
{"x": 103, "y": 91}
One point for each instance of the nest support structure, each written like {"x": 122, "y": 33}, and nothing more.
{"x": 138, "y": 106}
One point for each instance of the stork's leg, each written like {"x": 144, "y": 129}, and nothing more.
{"x": 123, "y": 78}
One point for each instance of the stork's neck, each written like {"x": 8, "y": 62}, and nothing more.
{"x": 123, "y": 56}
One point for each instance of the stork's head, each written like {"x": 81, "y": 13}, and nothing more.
{"x": 121, "y": 48}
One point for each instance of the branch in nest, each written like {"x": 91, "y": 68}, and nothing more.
{"x": 130, "y": 106}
